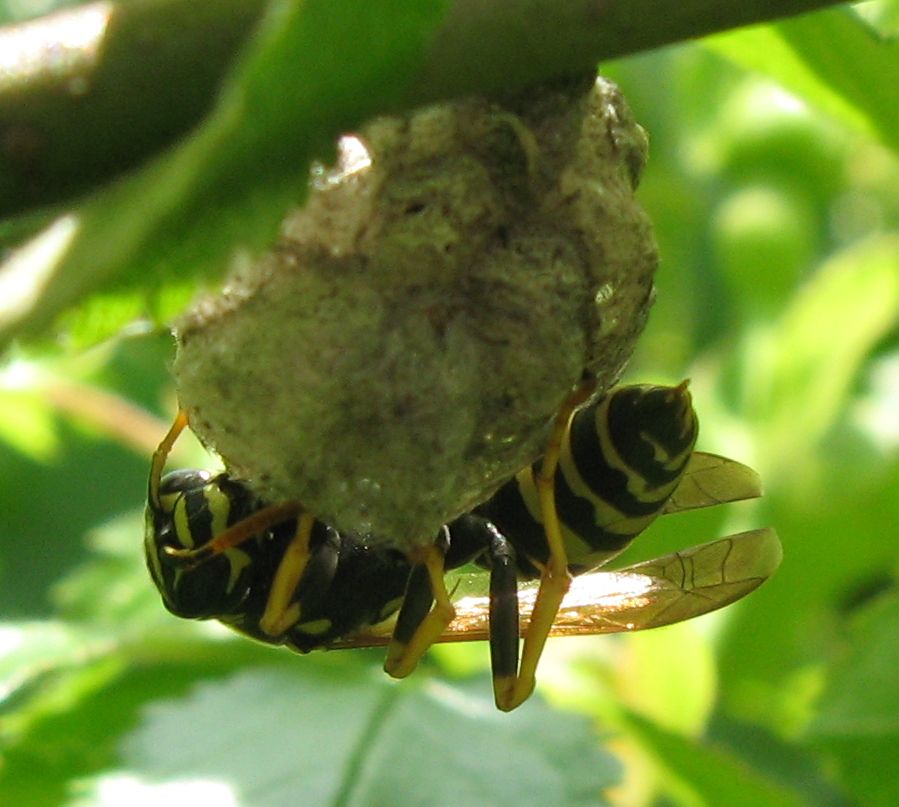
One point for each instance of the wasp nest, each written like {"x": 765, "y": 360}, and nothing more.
{"x": 403, "y": 348}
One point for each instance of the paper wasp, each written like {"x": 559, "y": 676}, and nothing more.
{"x": 279, "y": 575}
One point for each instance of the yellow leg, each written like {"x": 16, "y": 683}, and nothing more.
{"x": 161, "y": 455}
{"x": 555, "y": 579}
{"x": 281, "y": 612}
{"x": 235, "y": 535}
{"x": 403, "y": 657}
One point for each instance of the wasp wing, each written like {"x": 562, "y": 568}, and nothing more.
{"x": 682, "y": 585}
{"x": 651, "y": 594}
{"x": 711, "y": 479}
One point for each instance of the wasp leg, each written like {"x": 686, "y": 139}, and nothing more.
{"x": 235, "y": 535}
{"x": 283, "y": 608}
{"x": 555, "y": 579}
{"x": 324, "y": 557}
{"x": 419, "y": 625}
{"x": 417, "y": 603}
{"x": 504, "y": 630}
{"x": 472, "y": 537}
{"x": 161, "y": 455}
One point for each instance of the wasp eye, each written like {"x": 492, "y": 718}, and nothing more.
{"x": 186, "y": 479}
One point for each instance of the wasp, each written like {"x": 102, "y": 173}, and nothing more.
{"x": 280, "y": 575}
{"x": 272, "y": 572}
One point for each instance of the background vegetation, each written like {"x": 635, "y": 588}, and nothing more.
{"x": 773, "y": 187}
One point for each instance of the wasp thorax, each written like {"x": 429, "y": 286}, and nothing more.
{"x": 402, "y": 349}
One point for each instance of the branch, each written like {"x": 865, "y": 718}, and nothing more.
{"x": 483, "y": 44}
{"x": 86, "y": 94}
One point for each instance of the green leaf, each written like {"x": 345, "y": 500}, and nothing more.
{"x": 315, "y": 69}
{"x": 858, "y": 717}
{"x": 64, "y": 722}
{"x": 838, "y": 533}
{"x": 44, "y": 667}
{"x": 780, "y": 758}
{"x": 47, "y": 670}
{"x": 808, "y": 360}
{"x": 13, "y": 11}
{"x": 334, "y": 733}
{"x": 861, "y": 698}
{"x": 27, "y": 423}
{"x": 697, "y": 773}
{"x": 864, "y": 767}
{"x": 852, "y": 60}
{"x": 832, "y": 60}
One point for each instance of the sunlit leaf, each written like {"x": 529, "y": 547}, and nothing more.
{"x": 682, "y": 699}
{"x": 338, "y": 734}
{"x": 27, "y": 423}
{"x": 799, "y": 372}
{"x": 832, "y": 60}
{"x": 69, "y": 710}
{"x": 852, "y": 59}
{"x": 46, "y": 668}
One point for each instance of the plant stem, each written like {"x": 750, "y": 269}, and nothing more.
{"x": 75, "y": 112}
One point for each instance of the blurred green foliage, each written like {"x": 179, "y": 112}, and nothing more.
{"x": 772, "y": 185}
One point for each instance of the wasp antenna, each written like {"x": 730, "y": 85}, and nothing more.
{"x": 162, "y": 454}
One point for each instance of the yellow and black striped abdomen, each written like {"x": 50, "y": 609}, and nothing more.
{"x": 621, "y": 459}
